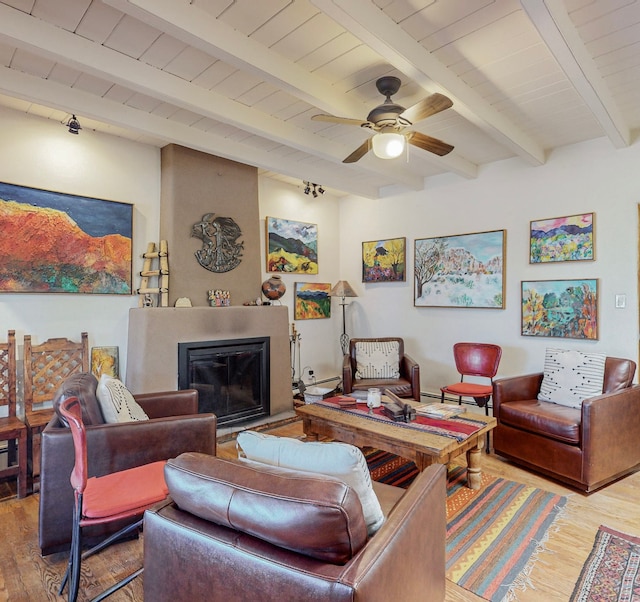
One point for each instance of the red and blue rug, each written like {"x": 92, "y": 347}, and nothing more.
{"x": 494, "y": 534}
{"x": 612, "y": 570}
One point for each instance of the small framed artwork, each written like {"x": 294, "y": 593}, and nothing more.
{"x": 105, "y": 360}
{"x": 292, "y": 247}
{"x": 313, "y": 300}
{"x": 465, "y": 270}
{"x": 569, "y": 238}
{"x": 384, "y": 260}
{"x": 560, "y": 308}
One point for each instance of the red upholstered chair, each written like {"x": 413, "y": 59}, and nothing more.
{"x": 478, "y": 360}
{"x": 99, "y": 500}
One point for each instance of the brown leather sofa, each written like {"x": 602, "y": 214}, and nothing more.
{"x": 236, "y": 532}
{"x": 586, "y": 448}
{"x": 408, "y": 385}
{"x": 174, "y": 427}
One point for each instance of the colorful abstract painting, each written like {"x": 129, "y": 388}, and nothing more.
{"x": 562, "y": 239}
{"x": 61, "y": 243}
{"x": 384, "y": 260}
{"x": 291, "y": 246}
{"x": 466, "y": 270}
{"x": 313, "y": 300}
{"x": 560, "y": 308}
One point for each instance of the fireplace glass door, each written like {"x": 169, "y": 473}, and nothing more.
{"x": 231, "y": 377}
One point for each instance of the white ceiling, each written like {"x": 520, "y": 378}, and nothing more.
{"x": 241, "y": 79}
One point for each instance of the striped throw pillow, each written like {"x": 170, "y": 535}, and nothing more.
{"x": 571, "y": 376}
{"x": 377, "y": 359}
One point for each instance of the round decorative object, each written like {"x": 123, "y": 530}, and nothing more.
{"x": 273, "y": 288}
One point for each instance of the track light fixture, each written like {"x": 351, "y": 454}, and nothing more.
{"x": 314, "y": 189}
{"x": 74, "y": 125}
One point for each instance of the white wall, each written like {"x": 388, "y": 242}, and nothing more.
{"x": 319, "y": 346}
{"x": 41, "y": 153}
{"x": 587, "y": 177}
{"x": 582, "y": 178}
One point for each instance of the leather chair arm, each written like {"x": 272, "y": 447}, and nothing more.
{"x": 347, "y": 375}
{"x": 410, "y": 369}
{"x": 415, "y": 529}
{"x": 610, "y": 432}
{"x": 169, "y": 403}
{"x": 111, "y": 447}
{"x": 515, "y": 388}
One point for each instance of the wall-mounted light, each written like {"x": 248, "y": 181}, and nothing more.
{"x": 388, "y": 145}
{"x": 314, "y": 189}
{"x": 74, "y": 125}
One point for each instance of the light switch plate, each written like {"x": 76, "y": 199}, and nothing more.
{"x": 621, "y": 301}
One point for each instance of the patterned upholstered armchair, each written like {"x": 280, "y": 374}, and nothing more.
{"x": 380, "y": 363}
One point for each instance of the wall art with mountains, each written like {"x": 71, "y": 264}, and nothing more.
{"x": 569, "y": 238}
{"x": 61, "y": 243}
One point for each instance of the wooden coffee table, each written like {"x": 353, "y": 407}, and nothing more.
{"x": 422, "y": 447}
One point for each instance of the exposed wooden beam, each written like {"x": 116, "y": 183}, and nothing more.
{"x": 554, "y": 25}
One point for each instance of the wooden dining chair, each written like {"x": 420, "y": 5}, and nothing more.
{"x": 46, "y": 366}
{"x": 12, "y": 429}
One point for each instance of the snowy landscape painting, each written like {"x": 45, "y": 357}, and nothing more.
{"x": 465, "y": 270}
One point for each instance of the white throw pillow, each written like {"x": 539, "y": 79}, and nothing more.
{"x": 377, "y": 359}
{"x": 341, "y": 460}
{"x": 571, "y": 376}
{"x": 116, "y": 402}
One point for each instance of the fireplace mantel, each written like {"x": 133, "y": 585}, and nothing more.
{"x": 154, "y": 334}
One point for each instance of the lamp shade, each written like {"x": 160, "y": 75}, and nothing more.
{"x": 387, "y": 145}
{"x": 343, "y": 289}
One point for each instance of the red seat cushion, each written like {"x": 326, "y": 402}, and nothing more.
{"x": 469, "y": 389}
{"x": 125, "y": 491}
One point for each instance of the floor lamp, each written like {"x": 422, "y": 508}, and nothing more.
{"x": 343, "y": 289}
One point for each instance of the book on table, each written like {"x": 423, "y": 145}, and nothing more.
{"x": 440, "y": 410}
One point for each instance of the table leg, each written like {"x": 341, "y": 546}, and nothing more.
{"x": 474, "y": 470}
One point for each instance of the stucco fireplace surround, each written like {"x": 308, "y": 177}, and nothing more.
{"x": 154, "y": 334}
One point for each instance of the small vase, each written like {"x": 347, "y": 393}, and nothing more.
{"x": 273, "y": 288}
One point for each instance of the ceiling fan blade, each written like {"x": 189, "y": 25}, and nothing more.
{"x": 360, "y": 152}
{"x": 345, "y": 120}
{"x": 429, "y": 106}
{"x": 433, "y": 145}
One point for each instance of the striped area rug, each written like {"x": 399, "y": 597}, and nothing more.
{"x": 494, "y": 534}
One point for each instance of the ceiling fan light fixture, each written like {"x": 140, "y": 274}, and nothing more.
{"x": 388, "y": 145}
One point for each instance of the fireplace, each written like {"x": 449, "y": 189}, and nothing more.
{"x": 231, "y": 377}
{"x": 155, "y": 332}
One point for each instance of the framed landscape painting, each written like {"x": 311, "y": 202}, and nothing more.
{"x": 384, "y": 260}
{"x": 291, "y": 246}
{"x": 560, "y": 308}
{"x": 62, "y": 243}
{"x": 567, "y": 238}
{"x": 312, "y": 300}
{"x": 465, "y": 270}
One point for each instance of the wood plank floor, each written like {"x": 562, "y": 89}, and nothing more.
{"x": 26, "y": 576}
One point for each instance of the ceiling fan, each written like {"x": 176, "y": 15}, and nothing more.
{"x": 390, "y": 120}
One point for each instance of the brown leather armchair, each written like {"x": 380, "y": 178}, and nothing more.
{"x": 408, "y": 385}
{"x": 586, "y": 448}
{"x": 234, "y": 532}
{"x": 174, "y": 427}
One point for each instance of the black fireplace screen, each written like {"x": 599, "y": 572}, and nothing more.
{"x": 231, "y": 377}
